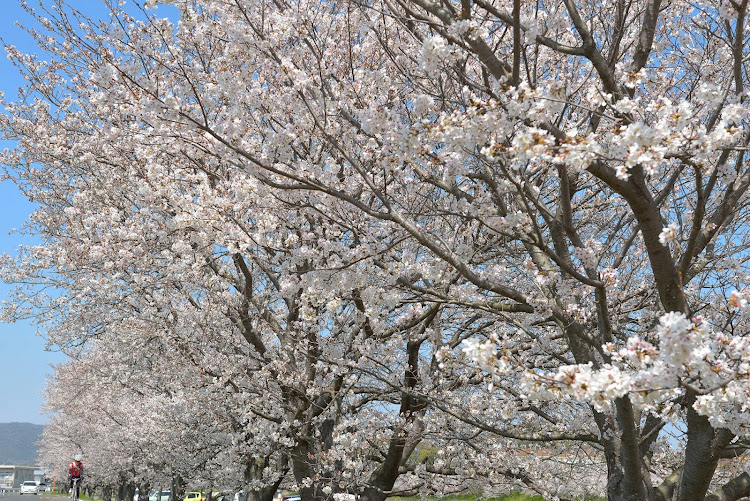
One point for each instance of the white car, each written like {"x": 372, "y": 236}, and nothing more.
{"x": 30, "y": 487}
{"x": 159, "y": 496}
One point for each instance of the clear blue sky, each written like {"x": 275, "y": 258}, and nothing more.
{"x": 24, "y": 363}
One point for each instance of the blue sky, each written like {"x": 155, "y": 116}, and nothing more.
{"x": 24, "y": 363}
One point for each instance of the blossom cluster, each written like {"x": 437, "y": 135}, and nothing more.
{"x": 687, "y": 355}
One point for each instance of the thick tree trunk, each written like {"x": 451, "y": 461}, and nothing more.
{"x": 614, "y": 471}
{"x": 253, "y": 471}
{"x": 121, "y": 494}
{"x": 125, "y": 491}
{"x": 178, "y": 488}
{"x": 382, "y": 480}
{"x": 735, "y": 489}
{"x": 143, "y": 490}
{"x": 304, "y": 455}
{"x": 372, "y": 494}
{"x": 301, "y": 468}
{"x": 402, "y": 441}
{"x": 400, "y": 446}
{"x": 264, "y": 493}
{"x": 704, "y": 447}
{"x": 621, "y": 486}
{"x": 303, "y": 460}
{"x": 699, "y": 466}
{"x": 625, "y": 482}
{"x": 636, "y": 482}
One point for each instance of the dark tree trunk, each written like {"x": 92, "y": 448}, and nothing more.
{"x": 143, "y": 490}
{"x": 125, "y": 491}
{"x": 265, "y": 493}
{"x": 302, "y": 455}
{"x": 401, "y": 444}
{"x": 254, "y": 470}
{"x": 178, "y": 488}
{"x": 704, "y": 448}
{"x": 735, "y": 489}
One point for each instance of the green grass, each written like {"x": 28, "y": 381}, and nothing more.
{"x": 518, "y": 496}
{"x": 66, "y": 495}
{"x": 512, "y": 496}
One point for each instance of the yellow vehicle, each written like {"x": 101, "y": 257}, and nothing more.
{"x": 193, "y": 496}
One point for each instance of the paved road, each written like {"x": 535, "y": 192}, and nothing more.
{"x": 15, "y": 496}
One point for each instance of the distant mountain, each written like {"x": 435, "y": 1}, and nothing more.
{"x": 18, "y": 443}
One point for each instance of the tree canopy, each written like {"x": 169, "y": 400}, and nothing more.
{"x": 305, "y": 238}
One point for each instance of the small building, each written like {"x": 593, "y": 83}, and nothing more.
{"x": 12, "y": 476}
{"x": 40, "y": 476}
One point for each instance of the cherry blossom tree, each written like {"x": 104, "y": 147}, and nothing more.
{"x": 153, "y": 267}
{"x": 364, "y": 218}
{"x": 133, "y": 430}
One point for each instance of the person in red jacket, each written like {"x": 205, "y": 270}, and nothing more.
{"x": 75, "y": 471}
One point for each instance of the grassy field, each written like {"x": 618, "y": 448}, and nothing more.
{"x": 512, "y": 496}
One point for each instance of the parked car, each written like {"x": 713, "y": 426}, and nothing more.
{"x": 30, "y": 487}
{"x": 344, "y": 496}
{"x": 222, "y": 496}
{"x": 159, "y": 496}
{"x": 292, "y": 497}
{"x": 193, "y": 496}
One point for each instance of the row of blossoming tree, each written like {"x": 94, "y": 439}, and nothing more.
{"x": 312, "y": 240}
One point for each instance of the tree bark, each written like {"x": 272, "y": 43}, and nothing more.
{"x": 735, "y": 489}
{"x": 700, "y": 462}
{"x": 264, "y": 493}
{"x": 254, "y": 470}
